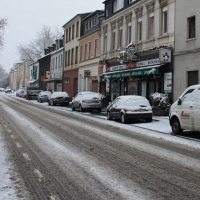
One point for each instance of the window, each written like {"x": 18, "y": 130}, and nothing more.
{"x": 107, "y": 10}
{"x": 139, "y": 28}
{"x": 67, "y": 80}
{"x": 61, "y": 60}
{"x": 85, "y": 51}
{"x": 90, "y": 49}
{"x": 56, "y": 63}
{"x": 68, "y": 61}
{"x": 131, "y": 1}
{"x": 81, "y": 52}
{"x": 86, "y": 26}
{"x": 129, "y": 33}
{"x": 151, "y": 25}
{"x": 76, "y": 56}
{"x": 66, "y": 35}
{"x": 69, "y": 33}
{"x": 117, "y": 5}
{"x": 192, "y": 78}
{"x": 120, "y": 37}
{"x": 164, "y": 20}
{"x": 72, "y": 31}
{"x": 92, "y": 23}
{"x": 72, "y": 56}
{"x": 191, "y": 27}
{"x": 113, "y": 40}
{"x": 66, "y": 58}
{"x": 105, "y": 42}
{"x": 77, "y": 29}
{"x": 95, "y": 47}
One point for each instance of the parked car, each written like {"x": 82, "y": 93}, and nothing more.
{"x": 61, "y": 98}
{"x": 87, "y": 100}
{"x": 129, "y": 107}
{"x": 185, "y": 112}
{"x": 2, "y": 89}
{"x": 20, "y": 92}
{"x": 8, "y": 90}
{"x": 43, "y": 96}
{"x": 32, "y": 92}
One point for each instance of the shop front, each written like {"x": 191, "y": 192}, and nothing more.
{"x": 138, "y": 78}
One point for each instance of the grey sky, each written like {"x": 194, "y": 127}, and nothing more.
{"x": 26, "y": 18}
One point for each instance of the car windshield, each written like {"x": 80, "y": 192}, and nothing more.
{"x": 91, "y": 96}
{"x": 59, "y": 94}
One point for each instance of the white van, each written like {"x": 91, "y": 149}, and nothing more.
{"x": 185, "y": 112}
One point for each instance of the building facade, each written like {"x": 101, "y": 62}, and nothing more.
{"x": 55, "y": 75}
{"x": 90, "y": 49}
{"x": 187, "y": 46}
{"x": 72, "y": 33}
{"x": 137, "y": 47}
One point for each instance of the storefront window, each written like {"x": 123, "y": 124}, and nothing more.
{"x": 122, "y": 88}
{"x": 132, "y": 88}
{"x": 115, "y": 90}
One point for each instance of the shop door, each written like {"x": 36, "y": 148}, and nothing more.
{"x": 95, "y": 86}
{"x": 115, "y": 90}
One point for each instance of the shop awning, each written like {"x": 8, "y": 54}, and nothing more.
{"x": 144, "y": 71}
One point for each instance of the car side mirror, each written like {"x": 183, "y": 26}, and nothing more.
{"x": 109, "y": 103}
{"x": 179, "y": 101}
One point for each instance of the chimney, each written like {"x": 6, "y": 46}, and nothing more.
{"x": 61, "y": 43}
{"x": 46, "y": 51}
{"x": 50, "y": 49}
{"x": 54, "y": 47}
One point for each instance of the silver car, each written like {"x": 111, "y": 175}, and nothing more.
{"x": 87, "y": 100}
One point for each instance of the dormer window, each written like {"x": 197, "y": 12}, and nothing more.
{"x": 117, "y": 5}
{"x": 107, "y": 10}
{"x": 131, "y": 1}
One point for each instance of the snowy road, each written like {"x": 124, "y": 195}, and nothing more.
{"x": 67, "y": 155}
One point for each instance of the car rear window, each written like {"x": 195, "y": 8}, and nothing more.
{"x": 137, "y": 101}
{"x": 91, "y": 96}
{"x": 64, "y": 94}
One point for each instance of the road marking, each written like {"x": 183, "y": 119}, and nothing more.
{"x": 54, "y": 198}
{"x": 18, "y": 145}
{"x": 38, "y": 174}
{"x": 26, "y": 156}
{"x": 12, "y": 136}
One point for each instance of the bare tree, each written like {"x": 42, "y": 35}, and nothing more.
{"x": 4, "y": 77}
{"x": 35, "y": 49}
{"x": 3, "y": 24}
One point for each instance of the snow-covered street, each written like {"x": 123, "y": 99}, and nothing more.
{"x": 158, "y": 130}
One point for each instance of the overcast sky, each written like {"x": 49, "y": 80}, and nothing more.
{"x": 26, "y": 18}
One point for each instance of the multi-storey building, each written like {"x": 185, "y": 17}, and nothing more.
{"x": 90, "y": 46}
{"x": 72, "y": 32}
{"x": 55, "y": 75}
{"x": 137, "y": 45}
{"x": 187, "y": 46}
{"x": 34, "y": 74}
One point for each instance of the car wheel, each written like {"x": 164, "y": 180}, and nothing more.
{"x": 149, "y": 120}
{"x": 52, "y": 103}
{"x": 99, "y": 110}
{"x": 108, "y": 116}
{"x": 176, "y": 128}
{"x": 123, "y": 119}
{"x": 49, "y": 103}
{"x": 73, "y": 107}
{"x": 80, "y": 108}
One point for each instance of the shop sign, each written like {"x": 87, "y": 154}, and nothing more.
{"x": 148, "y": 62}
{"x": 118, "y": 67}
{"x": 165, "y": 55}
{"x": 34, "y": 72}
{"x": 138, "y": 72}
{"x": 86, "y": 73}
{"x": 168, "y": 82}
{"x": 48, "y": 74}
